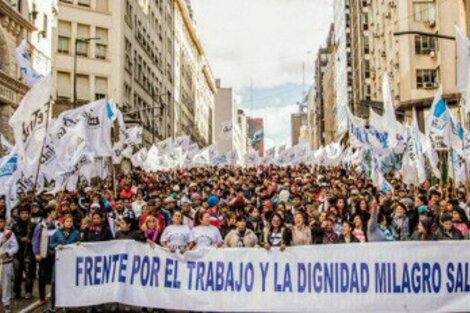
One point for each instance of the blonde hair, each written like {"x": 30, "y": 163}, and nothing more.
{"x": 149, "y": 218}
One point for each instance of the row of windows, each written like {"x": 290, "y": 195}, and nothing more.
{"x": 64, "y": 43}
{"x": 100, "y": 5}
{"x": 65, "y": 87}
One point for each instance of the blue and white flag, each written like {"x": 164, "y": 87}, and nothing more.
{"x": 413, "y": 170}
{"x": 438, "y": 123}
{"x": 30, "y": 76}
{"x": 357, "y": 130}
{"x": 5, "y": 145}
{"x": 8, "y": 167}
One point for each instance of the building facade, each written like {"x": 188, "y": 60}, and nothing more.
{"x": 330, "y": 123}
{"x": 225, "y": 113}
{"x": 16, "y": 24}
{"x": 256, "y": 135}
{"x": 360, "y": 55}
{"x": 145, "y": 55}
{"x": 192, "y": 73}
{"x": 343, "y": 75}
{"x": 418, "y": 66}
{"x": 298, "y": 121}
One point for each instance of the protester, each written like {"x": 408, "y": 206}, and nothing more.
{"x": 177, "y": 236}
{"x": 9, "y": 247}
{"x": 275, "y": 234}
{"x": 241, "y": 236}
{"x": 205, "y": 234}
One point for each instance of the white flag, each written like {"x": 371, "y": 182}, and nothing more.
{"x": 29, "y": 122}
{"x": 30, "y": 76}
{"x": 463, "y": 59}
{"x": 5, "y": 145}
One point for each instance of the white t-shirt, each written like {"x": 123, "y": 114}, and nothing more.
{"x": 177, "y": 236}
{"x": 137, "y": 207}
{"x": 206, "y": 236}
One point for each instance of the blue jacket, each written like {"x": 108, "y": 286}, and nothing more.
{"x": 58, "y": 238}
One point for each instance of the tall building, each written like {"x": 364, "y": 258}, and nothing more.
{"x": 226, "y": 113}
{"x": 189, "y": 62}
{"x": 467, "y": 14}
{"x": 343, "y": 76}
{"x": 123, "y": 51}
{"x": 418, "y": 65}
{"x": 330, "y": 123}
{"x": 16, "y": 25}
{"x": 242, "y": 140}
{"x": 256, "y": 135}
{"x": 297, "y": 120}
{"x": 322, "y": 97}
{"x": 360, "y": 56}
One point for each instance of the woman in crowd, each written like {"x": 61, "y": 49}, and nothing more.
{"x": 301, "y": 234}
{"x": 152, "y": 231}
{"x": 177, "y": 236}
{"x": 275, "y": 234}
{"x": 205, "y": 234}
{"x": 346, "y": 234}
{"x": 98, "y": 230}
{"x": 400, "y": 222}
{"x": 360, "y": 229}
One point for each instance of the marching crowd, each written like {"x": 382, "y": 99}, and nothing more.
{"x": 257, "y": 207}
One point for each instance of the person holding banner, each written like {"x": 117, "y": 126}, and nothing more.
{"x": 301, "y": 233}
{"x": 205, "y": 234}
{"x": 276, "y": 235}
{"x": 152, "y": 230}
{"x": 177, "y": 236}
{"x": 8, "y": 249}
{"x": 66, "y": 235}
{"x": 241, "y": 236}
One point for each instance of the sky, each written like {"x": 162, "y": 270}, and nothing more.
{"x": 265, "y": 43}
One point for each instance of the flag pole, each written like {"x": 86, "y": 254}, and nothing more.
{"x": 36, "y": 176}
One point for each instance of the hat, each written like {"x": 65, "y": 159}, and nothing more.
{"x": 403, "y": 189}
{"x": 407, "y": 202}
{"x": 212, "y": 201}
{"x": 176, "y": 188}
{"x": 88, "y": 189}
{"x": 195, "y": 197}
{"x": 354, "y": 192}
{"x": 422, "y": 209}
{"x": 169, "y": 200}
{"x": 185, "y": 200}
{"x": 95, "y": 206}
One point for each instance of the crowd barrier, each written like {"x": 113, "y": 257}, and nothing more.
{"x": 374, "y": 277}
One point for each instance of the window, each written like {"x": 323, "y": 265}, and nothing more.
{"x": 102, "y": 44}
{"x": 427, "y": 78}
{"x": 83, "y": 32}
{"x": 84, "y": 3}
{"x": 63, "y": 44}
{"x": 128, "y": 55}
{"x": 425, "y": 44}
{"x": 64, "y": 86}
{"x": 367, "y": 68}
{"x": 424, "y": 11}
{"x": 101, "y": 88}
{"x": 128, "y": 13}
{"x": 366, "y": 45}
{"x": 102, "y": 5}
{"x": 44, "y": 26}
{"x": 83, "y": 88}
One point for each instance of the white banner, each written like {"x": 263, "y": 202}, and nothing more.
{"x": 379, "y": 277}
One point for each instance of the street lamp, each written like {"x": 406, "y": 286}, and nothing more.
{"x": 77, "y": 40}
{"x": 152, "y": 108}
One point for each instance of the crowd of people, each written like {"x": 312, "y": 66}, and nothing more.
{"x": 232, "y": 207}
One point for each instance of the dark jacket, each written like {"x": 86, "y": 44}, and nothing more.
{"x": 94, "y": 234}
{"x": 453, "y": 234}
{"x": 24, "y": 229}
{"x": 137, "y": 235}
{"x": 341, "y": 239}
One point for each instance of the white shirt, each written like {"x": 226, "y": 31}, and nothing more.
{"x": 137, "y": 207}
{"x": 177, "y": 236}
{"x": 206, "y": 236}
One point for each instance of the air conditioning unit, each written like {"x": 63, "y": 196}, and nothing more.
{"x": 436, "y": 85}
{"x": 432, "y": 54}
{"x": 388, "y": 15}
